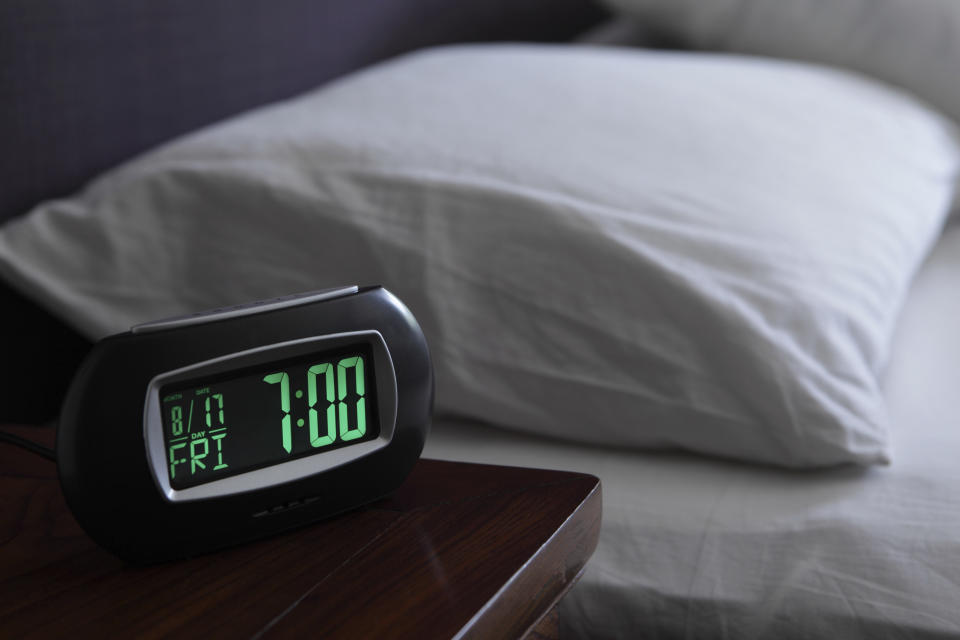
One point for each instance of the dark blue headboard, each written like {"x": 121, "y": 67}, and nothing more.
{"x": 87, "y": 84}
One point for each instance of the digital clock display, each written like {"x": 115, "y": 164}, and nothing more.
{"x": 260, "y": 416}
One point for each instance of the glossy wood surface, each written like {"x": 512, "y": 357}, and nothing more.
{"x": 461, "y": 550}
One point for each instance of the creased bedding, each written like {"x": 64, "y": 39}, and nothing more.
{"x": 632, "y": 248}
{"x": 697, "y": 549}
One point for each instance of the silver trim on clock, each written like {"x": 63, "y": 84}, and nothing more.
{"x": 249, "y": 308}
{"x": 386, "y": 384}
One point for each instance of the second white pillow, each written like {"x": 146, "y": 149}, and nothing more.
{"x": 914, "y": 44}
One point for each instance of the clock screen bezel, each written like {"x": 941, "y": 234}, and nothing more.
{"x": 241, "y": 363}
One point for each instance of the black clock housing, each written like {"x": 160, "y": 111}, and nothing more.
{"x": 188, "y": 435}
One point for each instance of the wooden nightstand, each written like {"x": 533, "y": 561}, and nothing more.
{"x": 460, "y": 550}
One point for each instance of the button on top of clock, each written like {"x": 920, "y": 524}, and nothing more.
{"x": 248, "y": 308}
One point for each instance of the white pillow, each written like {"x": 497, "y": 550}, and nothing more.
{"x": 619, "y": 247}
{"x": 911, "y": 43}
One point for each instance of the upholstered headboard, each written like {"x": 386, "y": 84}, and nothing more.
{"x": 86, "y": 85}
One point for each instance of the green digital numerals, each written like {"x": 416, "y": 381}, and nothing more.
{"x": 327, "y": 389}
{"x": 199, "y": 418}
{"x": 190, "y": 449}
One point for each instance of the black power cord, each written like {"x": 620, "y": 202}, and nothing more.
{"x": 29, "y": 445}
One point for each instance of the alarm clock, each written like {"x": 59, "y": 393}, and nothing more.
{"x": 191, "y": 434}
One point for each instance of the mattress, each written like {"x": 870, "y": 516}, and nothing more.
{"x": 694, "y": 547}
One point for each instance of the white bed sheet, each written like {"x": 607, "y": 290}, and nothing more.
{"x": 692, "y": 547}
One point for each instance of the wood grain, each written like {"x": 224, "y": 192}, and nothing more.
{"x": 474, "y": 551}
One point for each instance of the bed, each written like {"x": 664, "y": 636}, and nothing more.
{"x": 751, "y": 338}
{"x": 697, "y": 548}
